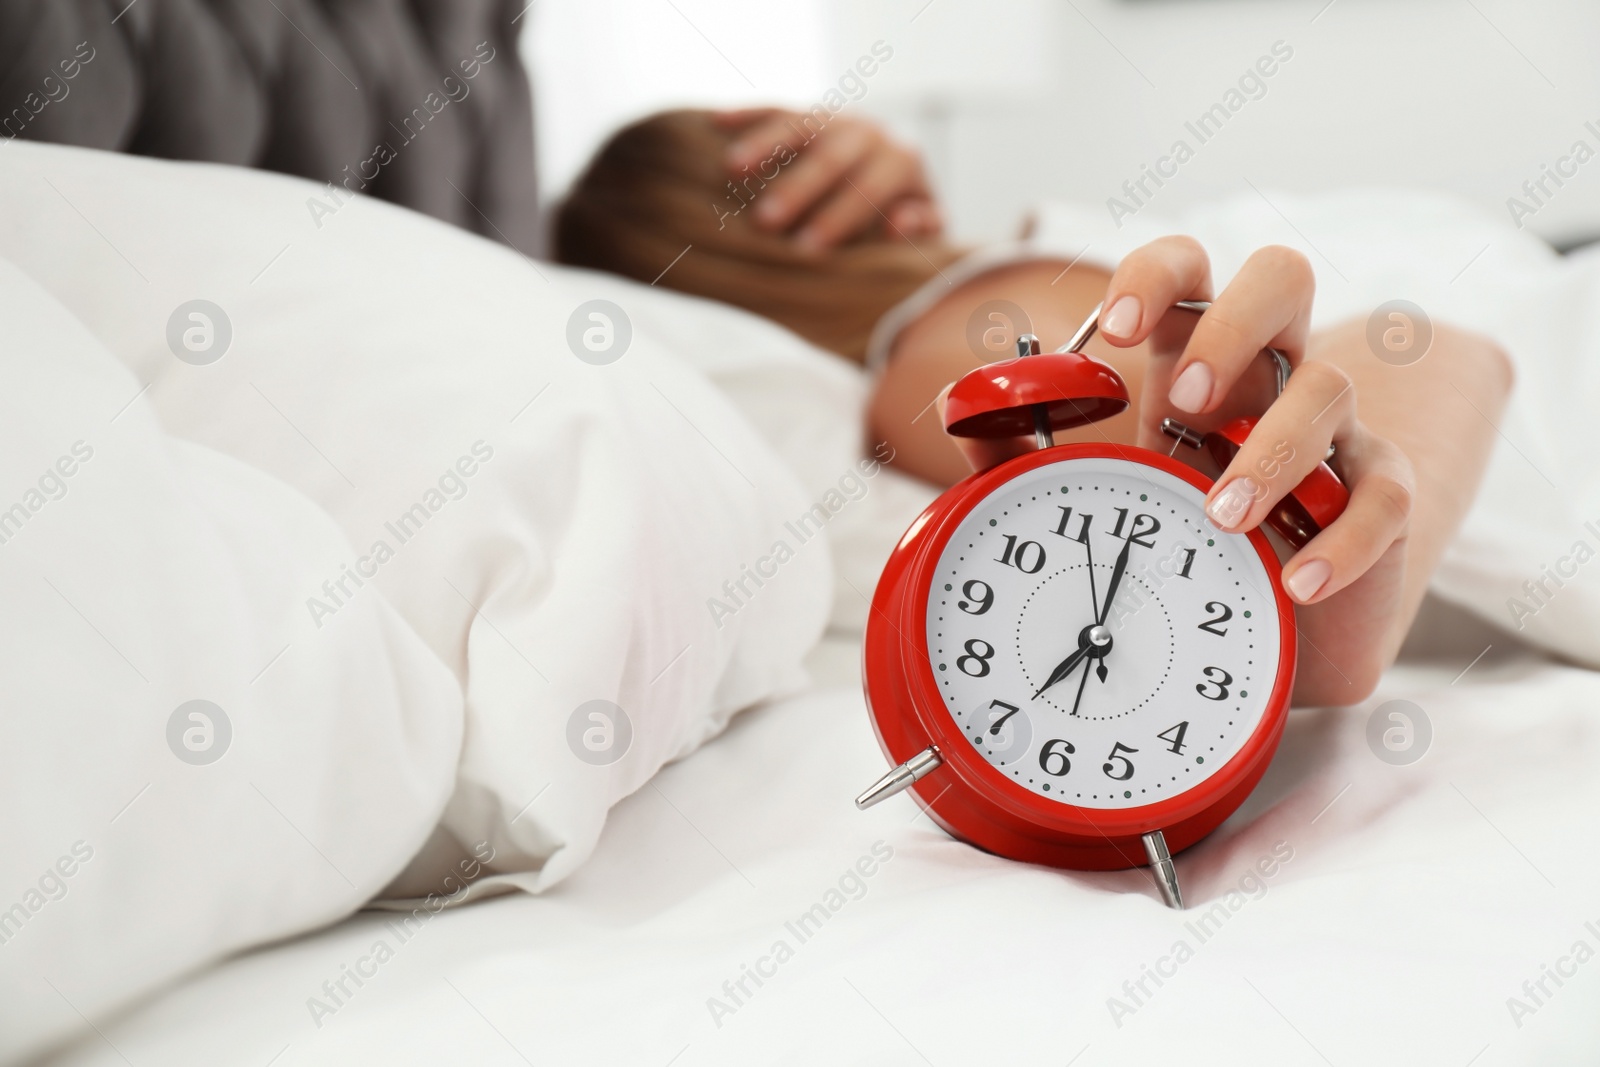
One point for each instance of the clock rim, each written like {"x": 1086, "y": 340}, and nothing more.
{"x": 1017, "y": 816}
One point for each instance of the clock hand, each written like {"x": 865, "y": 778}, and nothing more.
{"x": 1094, "y": 599}
{"x": 1094, "y": 602}
{"x": 1066, "y": 666}
{"x": 1117, "y": 572}
{"x": 1116, "y": 580}
{"x": 1079, "y": 699}
{"x": 1092, "y": 641}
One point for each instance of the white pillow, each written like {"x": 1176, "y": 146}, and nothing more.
{"x": 145, "y": 835}
{"x": 373, "y": 351}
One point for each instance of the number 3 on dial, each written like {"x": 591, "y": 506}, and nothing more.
{"x": 1219, "y": 678}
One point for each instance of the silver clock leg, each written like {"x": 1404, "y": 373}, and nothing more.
{"x": 1044, "y": 437}
{"x": 1155, "y": 846}
{"x": 900, "y": 778}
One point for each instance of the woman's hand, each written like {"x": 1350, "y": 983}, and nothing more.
{"x": 845, "y": 180}
{"x": 1205, "y": 381}
{"x": 1350, "y": 580}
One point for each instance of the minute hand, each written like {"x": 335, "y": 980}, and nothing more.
{"x": 1116, "y": 580}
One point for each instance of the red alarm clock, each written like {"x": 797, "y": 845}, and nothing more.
{"x": 1065, "y": 660}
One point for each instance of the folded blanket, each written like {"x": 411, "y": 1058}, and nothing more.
{"x": 591, "y": 557}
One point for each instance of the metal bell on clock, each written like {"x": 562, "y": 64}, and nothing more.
{"x": 1034, "y": 393}
{"x": 1309, "y": 507}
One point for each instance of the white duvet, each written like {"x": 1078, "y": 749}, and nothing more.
{"x": 556, "y": 533}
{"x": 432, "y": 566}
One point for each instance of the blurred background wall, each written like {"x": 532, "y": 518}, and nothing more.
{"x": 1015, "y": 101}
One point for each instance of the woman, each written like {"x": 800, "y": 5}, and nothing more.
{"x": 660, "y": 193}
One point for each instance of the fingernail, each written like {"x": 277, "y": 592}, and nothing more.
{"x": 1229, "y": 507}
{"x": 1304, "y": 583}
{"x": 770, "y": 210}
{"x": 810, "y": 241}
{"x": 1192, "y": 389}
{"x": 1123, "y": 318}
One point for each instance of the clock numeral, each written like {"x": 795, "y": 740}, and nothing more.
{"x": 1011, "y": 709}
{"x": 1058, "y": 751}
{"x": 980, "y": 658}
{"x": 983, "y": 602}
{"x": 1018, "y": 555}
{"x": 1143, "y": 533}
{"x": 1174, "y": 736}
{"x": 1219, "y": 678}
{"x": 1188, "y": 561}
{"x": 1213, "y": 624}
{"x": 1116, "y": 757}
{"x": 1083, "y": 525}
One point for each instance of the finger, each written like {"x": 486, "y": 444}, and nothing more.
{"x": 981, "y": 453}
{"x": 734, "y": 118}
{"x": 1382, "y": 485}
{"x": 1267, "y": 304}
{"x": 762, "y": 137}
{"x": 820, "y": 167}
{"x": 916, "y": 216}
{"x": 1317, "y": 408}
{"x": 1149, "y": 281}
{"x": 854, "y": 204}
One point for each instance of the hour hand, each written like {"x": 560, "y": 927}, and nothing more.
{"x": 1093, "y": 640}
{"x": 1068, "y": 665}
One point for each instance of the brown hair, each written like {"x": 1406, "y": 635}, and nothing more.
{"x": 661, "y": 185}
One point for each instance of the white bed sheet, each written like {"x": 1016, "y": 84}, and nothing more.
{"x": 1417, "y": 901}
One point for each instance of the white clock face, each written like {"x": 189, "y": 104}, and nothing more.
{"x": 1090, "y": 703}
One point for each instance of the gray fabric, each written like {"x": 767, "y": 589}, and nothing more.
{"x": 369, "y": 94}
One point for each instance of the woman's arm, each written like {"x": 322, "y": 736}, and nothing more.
{"x": 1441, "y": 412}
{"x": 1413, "y": 458}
